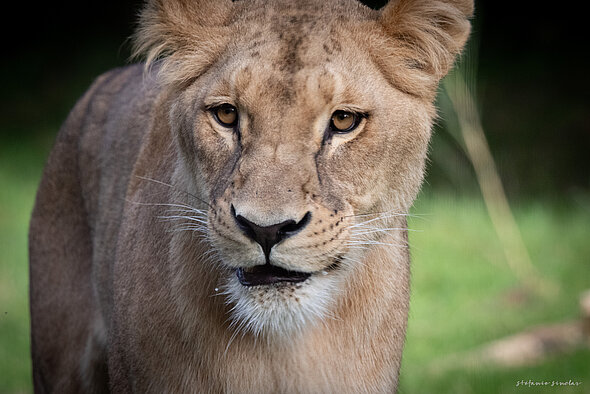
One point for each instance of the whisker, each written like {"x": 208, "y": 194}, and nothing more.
{"x": 181, "y": 217}
{"x": 348, "y": 259}
{"x": 371, "y": 242}
{"x": 195, "y": 211}
{"x": 209, "y": 253}
{"x": 236, "y": 331}
{"x": 174, "y": 188}
{"x": 383, "y": 217}
{"x": 358, "y": 247}
{"x": 378, "y": 230}
{"x": 193, "y": 229}
{"x": 192, "y": 225}
{"x": 372, "y": 214}
{"x": 385, "y": 231}
{"x": 164, "y": 205}
{"x": 412, "y": 215}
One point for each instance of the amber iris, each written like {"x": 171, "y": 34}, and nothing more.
{"x": 343, "y": 121}
{"x": 226, "y": 115}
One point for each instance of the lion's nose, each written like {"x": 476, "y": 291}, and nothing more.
{"x": 269, "y": 236}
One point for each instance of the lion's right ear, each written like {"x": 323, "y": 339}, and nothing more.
{"x": 423, "y": 39}
{"x": 188, "y": 35}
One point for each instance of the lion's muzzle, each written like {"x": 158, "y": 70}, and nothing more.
{"x": 267, "y": 237}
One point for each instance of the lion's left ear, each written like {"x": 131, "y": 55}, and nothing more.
{"x": 424, "y": 37}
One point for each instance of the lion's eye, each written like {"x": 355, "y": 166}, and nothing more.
{"x": 226, "y": 115}
{"x": 344, "y": 122}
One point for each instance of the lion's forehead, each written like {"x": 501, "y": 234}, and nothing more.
{"x": 298, "y": 52}
{"x": 306, "y": 15}
{"x": 277, "y": 93}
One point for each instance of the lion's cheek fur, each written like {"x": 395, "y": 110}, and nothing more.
{"x": 377, "y": 170}
{"x": 203, "y": 152}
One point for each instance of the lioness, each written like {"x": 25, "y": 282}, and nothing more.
{"x": 231, "y": 215}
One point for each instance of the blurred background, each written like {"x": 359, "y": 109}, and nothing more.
{"x": 498, "y": 268}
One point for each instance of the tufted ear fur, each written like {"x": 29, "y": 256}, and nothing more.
{"x": 188, "y": 35}
{"x": 423, "y": 37}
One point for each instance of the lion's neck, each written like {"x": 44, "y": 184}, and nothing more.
{"x": 361, "y": 340}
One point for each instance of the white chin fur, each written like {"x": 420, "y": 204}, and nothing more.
{"x": 281, "y": 310}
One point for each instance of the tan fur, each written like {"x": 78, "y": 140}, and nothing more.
{"x": 133, "y": 244}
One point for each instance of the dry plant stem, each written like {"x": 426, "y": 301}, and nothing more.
{"x": 491, "y": 187}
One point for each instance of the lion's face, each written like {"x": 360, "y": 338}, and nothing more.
{"x": 298, "y": 136}
{"x": 306, "y": 123}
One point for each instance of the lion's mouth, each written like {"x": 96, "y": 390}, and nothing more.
{"x": 269, "y": 274}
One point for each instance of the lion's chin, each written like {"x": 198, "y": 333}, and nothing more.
{"x": 278, "y": 303}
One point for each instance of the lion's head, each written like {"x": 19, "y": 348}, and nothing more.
{"x": 303, "y": 127}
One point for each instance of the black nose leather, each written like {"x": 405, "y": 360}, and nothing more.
{"x": 269, "y": 236}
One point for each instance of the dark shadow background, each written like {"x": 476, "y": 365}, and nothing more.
{"x": 533, "y": 85}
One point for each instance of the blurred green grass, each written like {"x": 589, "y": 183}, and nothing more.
{"x": 20, "y": 170}
{"x": 463, "y": 293}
